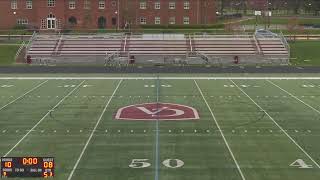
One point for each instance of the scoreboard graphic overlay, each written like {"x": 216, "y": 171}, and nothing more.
{"x": 27, "y": 167}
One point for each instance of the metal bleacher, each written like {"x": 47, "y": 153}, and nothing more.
{"x": 260, "y": 48}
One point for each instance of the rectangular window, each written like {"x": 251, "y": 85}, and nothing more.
{"x": 157, "y": 20}
{"x": 43, "y": 24}
{"x": 157, "y": 5}
{"x": 143, "y": 5}
{"x": 172, "y": 5}
{"x": 14, "y": 4}
{"x": 72, "y": 4}
{"x": 102, "y": 4}
{"x": 113, "y": 3}
{"x": 86, "y": 4}
{"x": 186, "y": 5}
{"x": 51, "y": 3}
{"x": 143, "y": 20}
{"x": 22, "y": 21}
{"x": 186, "y": 20}
{"x": 29, "y": 4}
{"x": 172, "y": 20}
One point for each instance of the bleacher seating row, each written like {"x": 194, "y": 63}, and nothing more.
{"x": 60, "y": 46}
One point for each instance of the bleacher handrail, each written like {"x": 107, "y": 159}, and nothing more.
{"x": 19, "y": 50}
{"x": 285, "y": 42}
{"x": 257, "y": 44}
{"x": 30, "y": 41}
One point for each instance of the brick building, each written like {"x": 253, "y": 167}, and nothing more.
{"x": 94, "y": 14}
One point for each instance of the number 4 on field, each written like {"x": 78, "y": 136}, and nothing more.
{"x": 300, "y": 163}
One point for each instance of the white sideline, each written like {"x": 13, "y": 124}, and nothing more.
{"x": 217, "y": 124}
{"x": 94, "y": 129}
{"x": 34, "y": 88}
{"x": 42, "y": 119}
{"x": 271, "y": 118}
{"x": 164, "y": 77}
{"x": 294, "y": 97}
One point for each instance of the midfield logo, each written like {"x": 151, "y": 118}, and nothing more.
{"x": 157, "y": 111}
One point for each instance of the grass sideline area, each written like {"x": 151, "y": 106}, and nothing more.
{"x": 7, "y": 53}
{"x": 282, "y": 20}
{"x": 247, "y": 127}
{"x": 305, "y": 53}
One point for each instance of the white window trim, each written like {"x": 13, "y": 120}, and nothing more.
{"x": 22, "y": 21}
{"x": 29, "y": 4}
{"x": 186, "y": 20}
{"x": 14, "y": 4}
{"x": 43, "y": 23}
{"x": 51, "y": 3}
{"x": 172, "y": 5}
{"x": 86, "y": 4}
{"x": 72, "y": 4}
{"x": 186, "y": 5}
{"x": 157, "y": 5}
{"x": 143, "y": 5}
{"x": 143, "y": 20}
{"x": 102, "y": 4}
{"x": 157, "y": 20}
{"x": 174, "y": 20}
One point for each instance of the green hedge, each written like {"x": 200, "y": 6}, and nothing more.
{"x": 173, "y": 26}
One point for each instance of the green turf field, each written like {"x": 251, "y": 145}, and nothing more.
{"x": 249, "y": 128}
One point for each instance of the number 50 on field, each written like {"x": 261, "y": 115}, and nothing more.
{"x": 144, "y": 163}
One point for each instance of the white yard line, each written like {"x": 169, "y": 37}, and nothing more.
{"x": 34, "y": 88}
{"x": 295, "y": 97}
{"x": 43, "y": 119}
{"x": 164, "y": 77}
{"x": 94, "y": 129}
{"x": 271, "y": 118}
{"x": 156, "y": 176}
{"x": 222, "y": 135}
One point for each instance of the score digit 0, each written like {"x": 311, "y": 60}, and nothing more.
{"x": 48, "y": 165}
{"x": 30, "y": 161}
{"x": 8, "y": 164}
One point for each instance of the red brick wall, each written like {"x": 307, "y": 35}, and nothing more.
{"x": 200, "y": 12}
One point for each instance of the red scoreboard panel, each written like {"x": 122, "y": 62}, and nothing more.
{"x": 27, "y": 167}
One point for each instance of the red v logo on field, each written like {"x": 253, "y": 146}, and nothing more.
{"x": 157, "y": 111}
{"x": 161, "y": 111}
{"x": 152, "y": 112}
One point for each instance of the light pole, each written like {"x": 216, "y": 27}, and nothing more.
{"x": 118, "y": 13}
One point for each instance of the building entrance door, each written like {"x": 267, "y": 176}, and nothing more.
{"x": 51, "y": 22}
